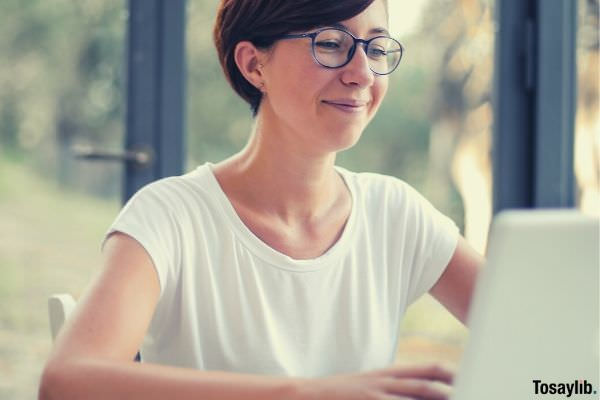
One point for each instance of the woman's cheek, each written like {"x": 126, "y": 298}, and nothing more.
{"x": 379, "y": 93}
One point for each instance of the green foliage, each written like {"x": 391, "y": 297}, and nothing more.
{"x": 396, "y": 141}
{"x": 218, "y": 121}
{"x": 61, "y": 81}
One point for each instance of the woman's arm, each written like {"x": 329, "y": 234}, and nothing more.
{"x": 99, "y": 378}
{"x": 455, "y": 287}
{"x": 93, "y": 352}
{"x": 92, "y": 357}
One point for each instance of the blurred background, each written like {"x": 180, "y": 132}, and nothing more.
{"x": 62, "y": 84}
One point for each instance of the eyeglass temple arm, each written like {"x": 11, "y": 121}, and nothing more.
{"x": 298, "y": 35}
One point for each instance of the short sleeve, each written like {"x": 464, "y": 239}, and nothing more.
{"x": 434, "y": 242}
{"x": 148, "y": 218}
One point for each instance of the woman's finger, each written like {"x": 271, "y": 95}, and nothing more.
{"x": 419, "y": 388}
{"x": 434, "y": 371}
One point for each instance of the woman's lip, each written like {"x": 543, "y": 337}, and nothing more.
{"x": 346, "y": 107}
{"x": 349, "y": 103}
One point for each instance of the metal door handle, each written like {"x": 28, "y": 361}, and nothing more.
{"x": 140, "y": 157}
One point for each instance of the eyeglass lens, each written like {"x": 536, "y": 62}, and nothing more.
{"x": 332, "y": 48}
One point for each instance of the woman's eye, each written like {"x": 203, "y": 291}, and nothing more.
{"x": 328, "y": 45}
{"x": 377, "y": 52}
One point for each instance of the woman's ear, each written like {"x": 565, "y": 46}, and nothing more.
{"x": 248, "y": 60}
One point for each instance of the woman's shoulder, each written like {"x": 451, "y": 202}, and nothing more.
{"x": 175, "y": 193}
{"x": 381, "y": 193}
{"x": 377, "y": 184}
{"x": 189, "y": 183}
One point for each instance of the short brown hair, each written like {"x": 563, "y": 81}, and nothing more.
{"x": 261, "y": 22}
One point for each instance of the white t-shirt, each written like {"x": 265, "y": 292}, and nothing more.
{"x": 230, "y": 302}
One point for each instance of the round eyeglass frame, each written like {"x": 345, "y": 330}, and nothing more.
{"x": 352, "y": 49}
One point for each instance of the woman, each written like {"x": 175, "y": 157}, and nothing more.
{"x": 273, "y": 274}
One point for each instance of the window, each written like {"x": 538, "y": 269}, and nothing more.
{"x": 587, "y": 119}
{"x": 61, "y": 83}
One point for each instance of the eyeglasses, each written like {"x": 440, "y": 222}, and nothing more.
{"x": 334, "y": 48}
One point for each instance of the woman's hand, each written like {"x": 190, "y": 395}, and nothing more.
{"x": 400, "y": 382}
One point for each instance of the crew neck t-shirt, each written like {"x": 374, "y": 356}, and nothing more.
{"x": 230, "y": 302}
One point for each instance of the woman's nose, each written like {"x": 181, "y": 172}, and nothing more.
{"x": 357, "y": 71}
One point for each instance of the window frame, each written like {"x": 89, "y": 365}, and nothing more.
{"x": 534, "y": 104}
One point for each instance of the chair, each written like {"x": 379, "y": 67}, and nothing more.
{"x": 60, "y": 307}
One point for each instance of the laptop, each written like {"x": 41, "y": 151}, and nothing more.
{"x": 534, "y": 323}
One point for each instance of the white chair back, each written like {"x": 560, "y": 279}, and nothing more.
{"x": 59, "y": 308}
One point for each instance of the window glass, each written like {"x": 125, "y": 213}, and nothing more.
{"x": 61, "y": 84}
{"x": 587, "y": 119}
{"x": 438, "y": 133}
{"x": 218, "y": 121}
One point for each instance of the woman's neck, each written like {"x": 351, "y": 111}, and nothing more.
{"x": 276, "y": 174}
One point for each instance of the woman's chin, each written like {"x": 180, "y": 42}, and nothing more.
{"x": 343, "y": 138}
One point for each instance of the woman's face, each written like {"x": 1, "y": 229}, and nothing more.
{"x": 322, "y": 109}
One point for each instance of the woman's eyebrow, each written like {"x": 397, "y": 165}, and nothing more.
{"x": 372, "y": 31}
